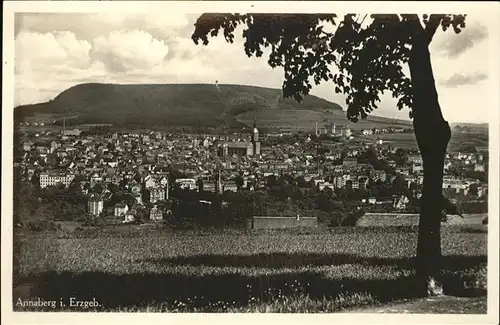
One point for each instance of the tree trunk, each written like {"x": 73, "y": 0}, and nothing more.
{"x": 433, "y": 134}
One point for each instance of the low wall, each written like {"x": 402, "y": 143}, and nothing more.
{"x": 388, "y": 219}
{"x": 407, "y": 219}
{"x": 264, "y": 222}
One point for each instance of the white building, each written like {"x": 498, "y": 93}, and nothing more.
{"x": 95, "y": 205}
{"x": 324, "y": 185}
{"x": 156, "y": 194}
{"x": 347, "y": 133}
{"x": 150, "y": 182}
{"x": 156, "y": 214}
{"x": 55, "y": 178}
{"x": 415, "y": 159}
{"x": 75, "y": 132}
{"x": 479, "y": 167}
{"x": 417, "y": 167}
{"x": 186, "y": 183}
{"x": 367, "y": 132}
{"x": 121, "y": 209}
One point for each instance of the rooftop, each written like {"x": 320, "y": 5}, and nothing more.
{"x": 237, "y": 144}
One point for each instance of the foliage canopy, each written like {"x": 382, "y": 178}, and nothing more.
{"x": 362, "y": 58}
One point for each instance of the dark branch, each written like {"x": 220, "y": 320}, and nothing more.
{"x": 369, "y": 59}
{"x": 432, "y": 25}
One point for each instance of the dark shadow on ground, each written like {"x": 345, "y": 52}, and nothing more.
{"x": 136, "y": 290}
{"x": 292, "y": 260}
{"x": 139, "y": 290}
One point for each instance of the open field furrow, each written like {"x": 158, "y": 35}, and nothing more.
{"x": 241, "y": 271}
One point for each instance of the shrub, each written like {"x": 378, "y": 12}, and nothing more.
{"x": 337, "y": 218}
{"x": 42, "y": 225}
{"x": 352, "y": 218}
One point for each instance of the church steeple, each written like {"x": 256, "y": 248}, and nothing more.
{"x": 255, "y": 133}
{"x": 255, "y": 138}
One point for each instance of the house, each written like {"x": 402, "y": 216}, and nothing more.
{"x": 54, "y": 145}
{"x": 363, "y": 182}
{"x": 367, "y": 132}
{"x": 116, "y": 179}
{"x": 73, "y": 132}
{"x": 230, "y": 186}
{"x": 209, "y": 187}
{"x": 150, "y": 182}
{"x": 41, "y": 149}
{"x": 376, "y": 175}
{"x": 447, "y": 164}
{"x": 417, "y": 167}
{"x": 156, "y": 194}
{"x": 186, "y": 183}
{"x": 481, "y": 190}
{"x": 121, "y": 209}
{"x": 403, "y": 171}
{"x": 349, "y": 162}
{"x": 135, "y": 188}
{"x": 54, "y": 178}
{"x": 27, "y": 145}
{"x": 354, "y": 184}
{"x": 95, "y": 205}
{"x": 479, "y": 167}
{"x": 401, "y": 202}
{"x": 155, "y": 214}
{"x": 107, "y": 195}
{"x": 163, "y": 181}
{"x": 95, "y": 178}
{"x": 323, "y": 185}
{"x": 348, "y": 184}
{"x": 415, "y": 159}
{"x": 339, "y": 181}
{"x": 390, "y": 178}
{"x": 130, "y": 216}
{"x": 334, "y": 156}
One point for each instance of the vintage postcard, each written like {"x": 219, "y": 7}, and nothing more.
{"x": 250, "y": 161}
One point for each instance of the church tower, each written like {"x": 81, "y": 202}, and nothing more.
{"x": 255, "y": 139}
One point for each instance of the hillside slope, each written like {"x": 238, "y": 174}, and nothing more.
{"x": 185, "y": 104}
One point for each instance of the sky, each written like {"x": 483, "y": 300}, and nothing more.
{"x": 55, "y": 51}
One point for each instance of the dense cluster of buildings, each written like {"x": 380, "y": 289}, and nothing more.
{"x": 139, "y": 164}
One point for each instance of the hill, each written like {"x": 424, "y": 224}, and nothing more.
{"x": 194, "y": 105}
{"x": 470, "y": 127}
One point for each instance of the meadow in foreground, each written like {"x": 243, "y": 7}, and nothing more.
{"x": 217, "y": 271}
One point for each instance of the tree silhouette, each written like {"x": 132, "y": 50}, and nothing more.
{"x": 272, "y": 180}
{"x": 239, "y": 182}
{"x": 199, "y": 184}
{"x": 369, "y": 56}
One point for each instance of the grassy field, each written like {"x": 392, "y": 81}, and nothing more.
{"x": 217, "y": 271}
{"x": 470, "y": 221}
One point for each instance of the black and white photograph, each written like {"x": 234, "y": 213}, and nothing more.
{"x": 250, "y": 158}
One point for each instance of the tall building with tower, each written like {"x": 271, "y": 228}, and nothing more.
{"x": 242, "y": 148}
{"x": 255, "y": 139}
